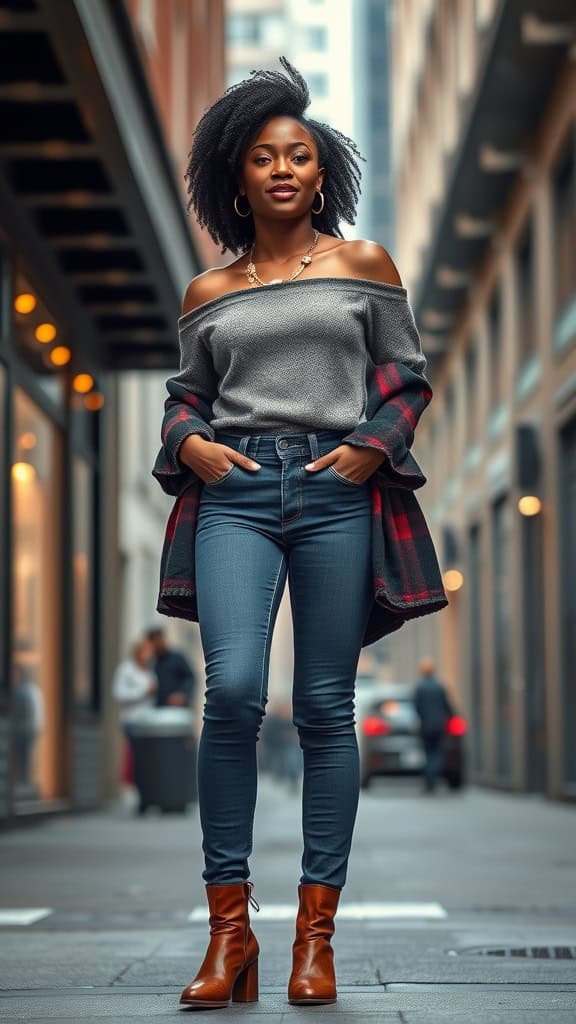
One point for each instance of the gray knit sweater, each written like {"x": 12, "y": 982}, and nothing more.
{"x": 294, "y": 357}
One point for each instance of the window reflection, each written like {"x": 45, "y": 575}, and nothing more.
{"x": 36, "y": 552}
{"x": 3, "y": 582}
{"x": 83, "y": 575}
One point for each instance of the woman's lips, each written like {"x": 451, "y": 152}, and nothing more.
{"x": 283, "y": 193}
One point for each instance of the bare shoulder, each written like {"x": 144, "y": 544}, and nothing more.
{"x": 211, "y": 284}
{"x": 371, "y": 261}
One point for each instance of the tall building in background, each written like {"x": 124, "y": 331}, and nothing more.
{"x": 370, "y": 92}
{"x": 484, "y": 131}
{"x": 95, "y": 254}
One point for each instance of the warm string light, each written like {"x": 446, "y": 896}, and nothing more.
{"x": 25, "y": 302}
{"x": 60, "y": 355}
{"x": 82, "y": 383}
{"x": 94, "y": 401}
{"x": 27, "y": 440}
{"x": 529, "y": 505}
{"x": 45, "y": 333}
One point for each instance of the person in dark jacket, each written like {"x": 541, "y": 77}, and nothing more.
{"x": 176, "y": 678}
{"x": 434, "y": 709}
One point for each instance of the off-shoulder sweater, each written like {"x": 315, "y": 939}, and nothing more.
{"x": 293, "y": 357}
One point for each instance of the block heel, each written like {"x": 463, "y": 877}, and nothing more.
{"x": 246, "y": 985}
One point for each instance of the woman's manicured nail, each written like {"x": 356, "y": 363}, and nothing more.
{"x": 255, "y": 465}
{"x": 309, "y": 466}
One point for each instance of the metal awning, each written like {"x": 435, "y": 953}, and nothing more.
{"x": 87, "y": 188}
{"x": 525, "y": 53}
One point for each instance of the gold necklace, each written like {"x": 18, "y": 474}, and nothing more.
{"x": 305, "y": 261}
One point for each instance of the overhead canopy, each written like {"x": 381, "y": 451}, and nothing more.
{"x": 87, "y": 189}
{"x": 513, "y": 90}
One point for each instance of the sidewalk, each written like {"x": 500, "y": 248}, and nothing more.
{"x": 432, "y": 881}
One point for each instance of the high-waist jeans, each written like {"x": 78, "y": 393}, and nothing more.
{"x": 256, "y": 528}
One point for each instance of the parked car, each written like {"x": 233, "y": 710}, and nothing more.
{"x": 388, "y": 729}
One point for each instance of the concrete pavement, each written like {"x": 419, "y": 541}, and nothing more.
{"x": 457, "y": 907}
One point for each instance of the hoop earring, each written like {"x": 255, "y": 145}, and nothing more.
{"x": 321, "y": 194}
{"x": 238, "y": 211}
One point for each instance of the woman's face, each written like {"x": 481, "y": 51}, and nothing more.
{"x": 144, "y": 652}
{"x": 280, "y": 173}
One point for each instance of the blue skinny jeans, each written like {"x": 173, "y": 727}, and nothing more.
{"x": 255, "y": 529}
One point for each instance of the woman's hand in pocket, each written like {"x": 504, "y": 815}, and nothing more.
{"x": 355, "y": 463}
{"x": 211, "y": 460}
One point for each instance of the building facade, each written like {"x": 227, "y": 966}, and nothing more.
{"x": 485, "y": 169}
{"x": 95, "y": 254}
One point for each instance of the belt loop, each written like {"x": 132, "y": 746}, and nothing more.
{"x": 314, "y": 450}
{"x": 244, "y": 443}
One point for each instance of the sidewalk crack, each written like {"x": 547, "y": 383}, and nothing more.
{"x": 138, "y": 960}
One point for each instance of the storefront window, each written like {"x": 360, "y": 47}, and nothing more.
{"x": 3, "y": 580}
{"x": 502, "y": 617}
{"x": 83, "y": 569}
{"x": 37, "y": 612}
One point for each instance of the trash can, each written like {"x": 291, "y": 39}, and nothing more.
{"x": 164, "y": 748}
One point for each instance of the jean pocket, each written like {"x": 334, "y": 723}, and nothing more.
{"x": 345, "y": 479}
{"x": 225, "y": 476}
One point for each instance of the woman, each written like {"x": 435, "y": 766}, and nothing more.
{"x": 134, "y": 686}
{"x": 267, "y": 438}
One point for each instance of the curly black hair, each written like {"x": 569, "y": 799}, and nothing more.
{"x": 223, "y": 135}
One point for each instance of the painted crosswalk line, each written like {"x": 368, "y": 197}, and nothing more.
{"x": 23, "y": 915}
{"x": 351, "y": 911}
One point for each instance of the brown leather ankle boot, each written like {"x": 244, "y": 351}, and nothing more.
{"x": 229, "y": 970}
{"x": 312, "y": 979}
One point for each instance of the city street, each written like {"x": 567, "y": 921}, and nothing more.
{"x": 435, "y": 883}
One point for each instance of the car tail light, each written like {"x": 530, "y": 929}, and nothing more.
{"x": 373, "y": 726}
{"x": 456, "y": 726}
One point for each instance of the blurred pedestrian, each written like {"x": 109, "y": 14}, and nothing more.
{"x": 434, "y": 709}
{"x": 176, "y": 678}
{"x": 134, "y": 686}
{"x": 273, "y": 414}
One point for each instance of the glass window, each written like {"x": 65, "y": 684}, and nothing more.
{"x": 37, "y": 611}
{"x": 471, "y": 376}
{"x": 475, "y": 648}
{"x": 318, "y": 84}
{"x": 526, "y": 314}
{"x": 502, "y": 632}
{"x": 83, "y": 576}
{"x": 565, "y": 228}
{"x": 451, "y": 428}
{"x": 242, "y": 28}
{"x": 495, "y": 344}
{"x": 38, "y": 340}
{"x": 272, "y": 30}
{"x": 567, "y": 553}
{"x": 4, "y": 576}
{"x": 315, "y": 37}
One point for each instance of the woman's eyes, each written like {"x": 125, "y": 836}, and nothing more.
{"x": 299, "y": 157}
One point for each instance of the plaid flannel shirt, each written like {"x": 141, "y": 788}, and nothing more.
{"x": 406, "y": 576}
